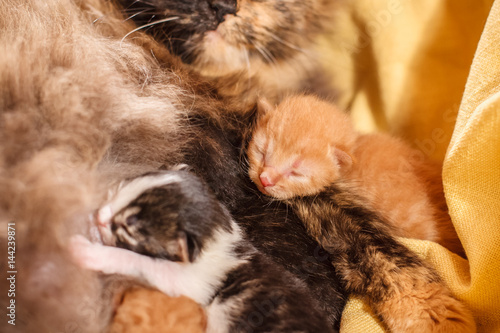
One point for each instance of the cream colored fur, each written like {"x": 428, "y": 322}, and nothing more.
{"x": 79, "y": 108}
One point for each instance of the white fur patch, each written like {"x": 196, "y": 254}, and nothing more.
{"x": 131, "y": 190}
{"x": 220, "y": 54}
{"x": 218, "y": 315}
{"x": 199, "y": 279}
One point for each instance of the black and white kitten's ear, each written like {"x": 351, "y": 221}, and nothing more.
{"x": 264, "y": 107}
{"x": 181, "y": 167}
{"x": 177, "y": 167}
{"x": 341, "y": 158}
{"x": 187, "y": 248}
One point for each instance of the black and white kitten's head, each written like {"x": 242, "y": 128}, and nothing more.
{"x": 222, "y": 36}
{"x": 167, "y": 214}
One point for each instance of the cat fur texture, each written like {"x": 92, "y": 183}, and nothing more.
{"x": 247, "y": 48}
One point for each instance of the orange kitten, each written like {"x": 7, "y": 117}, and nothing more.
{"x": 305, "y": 144}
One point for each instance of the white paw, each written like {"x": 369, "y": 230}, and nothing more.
{"x": 86, "y": 254}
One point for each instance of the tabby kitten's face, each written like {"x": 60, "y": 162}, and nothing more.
{"x": 146, "y": 226}
{"x": 217, "y": 36}
{"x": 167, "y": 214}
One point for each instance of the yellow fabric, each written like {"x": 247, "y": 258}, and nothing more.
{"x": 402, "y": 65}
{"x": 429, "y": 71}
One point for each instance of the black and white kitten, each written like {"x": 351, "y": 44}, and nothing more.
{"x": 168, "y": 230}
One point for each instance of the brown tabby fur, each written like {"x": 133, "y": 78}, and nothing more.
{"x": 398, "y": 181}
{"x": 403, "y": 291}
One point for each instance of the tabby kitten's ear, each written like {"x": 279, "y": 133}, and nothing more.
{"x": 264, "y": 107}
{"x": 341, "y": 158}
{"x": 185, "y": 247}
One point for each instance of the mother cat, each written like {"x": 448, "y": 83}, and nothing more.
{"x": 83, "y": 107}
{"x": 246, "y": 48}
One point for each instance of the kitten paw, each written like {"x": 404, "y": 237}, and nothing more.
{"x": 86, "y": 254}
{"x": 430, "y": 308}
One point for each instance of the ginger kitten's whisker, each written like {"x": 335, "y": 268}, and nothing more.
{"x": 315, "y": 197}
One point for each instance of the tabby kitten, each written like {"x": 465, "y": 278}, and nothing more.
{"x": 305, "y": 144}
{"x": 402, "y": 290}
{"x": 172, "y": 233}
{"x": 246, "y": 47}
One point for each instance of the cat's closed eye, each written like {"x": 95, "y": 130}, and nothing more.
{"x": 260, "y": 151}
{"x": 132, "y": 220}
{"x": 296, "y": 174}
{"x": 260, "y": 154}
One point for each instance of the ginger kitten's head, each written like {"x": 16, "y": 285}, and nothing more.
{"x": 224, "y": 36}
{"x": 300, "y": 147}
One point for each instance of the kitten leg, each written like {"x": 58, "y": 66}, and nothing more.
{"x": 406, "y": 293}
{"x": 106, "y": 259}
{"x": 164, "y": 275}
{"x": 425, "y": 308}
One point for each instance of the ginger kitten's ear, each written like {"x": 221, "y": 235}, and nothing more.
{"x": 264, "y": 107}
{"x": 341, "y": 158}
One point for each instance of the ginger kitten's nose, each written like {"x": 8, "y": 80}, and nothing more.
{"x": 269, "y": 177}
{"x": 266, "y": 182}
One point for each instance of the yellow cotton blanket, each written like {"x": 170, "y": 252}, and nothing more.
{"x": 429, "y": 71}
